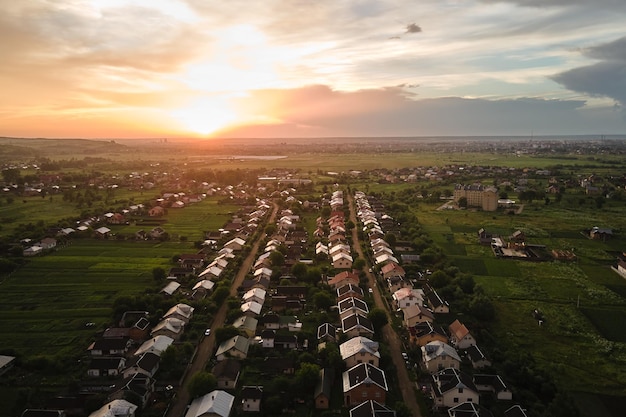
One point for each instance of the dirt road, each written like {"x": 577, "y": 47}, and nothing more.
{"x": 389, "y": 335}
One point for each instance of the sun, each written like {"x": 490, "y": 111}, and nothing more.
{"x": 206, "y": 116}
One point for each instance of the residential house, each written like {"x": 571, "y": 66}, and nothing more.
{"x": 460, "y": 336}
{"x": 397, "y": 282}
{"x": 145, "y": 364}
{"x": 270, "y": 321}
{"x": 48, "y": 243}
{"x": 157, "y": 345}
{"x": 170, "y": 288}
{"x": 341, "y": 261}
{"x": 598, "y": 233}
{"x": 358, "y": 350}
{"x": 344, "y": 278}
{"x": 351, "y": 306}
{"x": 469, "y": 409}
{"x": 216, "y": 403}
{"x": 106, "y": 366}
{"x": 251, "y": 396}
{"x": 141, "y": 387}
{"x": 235, "y": 347}
{"x": 392, "y": 269}
{"x": 438, "y": 355}
{"x": 235, "y": 244}
{"x": 364, "y": 382}
{"x": 425, "y": 332}
{"x": 326, "y": 332}
{"x": 180, "y": 311}
{"x": 116, "y": 408}
{"x": 406, "y": 297}
{"x": 348, "y": 291}
{"x": 202, "y": 288}
{"x": 251, "y": 308}
{"x": 357, "y": 325}
{"x": 435, "y": 302}
{"x": 323, "y": 389}
{"x": 247, "y": 325}
{"x": 227, "y": 373}
{"x": 416, "y": 314}
{"x": 255, "y": 294}
{"x": 493, "y": 384}
{"x": 452, "y": 387}
{"x": 278, "y": 366}
{"x": 6, "y": 363}
{"x": 372, "y": 408}
{"x": 477, "y": 357}
{"x": 170, "y": 327}
{"x": 110, "y": 347}
{"x": 515, "y": 411}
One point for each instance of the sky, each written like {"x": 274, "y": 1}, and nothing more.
{"x": 305, "y": 68}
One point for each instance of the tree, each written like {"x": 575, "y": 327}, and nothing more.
{"x": 323, "y": 300}
{"x": 277, "y": 258}
{"x": 224, "y": 333}
{"x": 158, "y": 274}
{"x": 358, "y": 264}
{"x": 220, "y": 294}
{"x": 299, "y": 270}
{"x": 307, "y": 376}
{"x": 439, "y": 279}
{"x": 462, "y": 202}
{"x": 482, "y": 308}
{"x": 378, "y": 317}
{"x": 201, "y": 383}
{"x": 390, "y": 238}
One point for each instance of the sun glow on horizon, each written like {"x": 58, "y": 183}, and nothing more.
{"x": 206, "y": 116}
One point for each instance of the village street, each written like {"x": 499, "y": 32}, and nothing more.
{"x": 390, "y": 336}
{"x": 206, "y": 346}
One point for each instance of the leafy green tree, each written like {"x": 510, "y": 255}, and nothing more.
{"x": 220, "y": 294}
{"x": 307, "y": 376}
{"x": 359, "y": 263}
{"x": 224, "y": 333}
{"x": 323, "y": 300}
{"x": 378, "y": 317}
{"x": 201, "y": 383}
{"x": 158, "y": 274}
{"x": 277, "y": 258}
{"x": 299, "y": 270}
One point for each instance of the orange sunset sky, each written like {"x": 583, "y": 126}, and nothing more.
{"x": 296, "y": 68}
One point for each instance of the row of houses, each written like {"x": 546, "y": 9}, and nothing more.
{"x": 441, "y": 349}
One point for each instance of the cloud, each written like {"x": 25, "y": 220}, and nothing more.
{"x": 320, "y": 111}
{"x": 606, "y": 78}
{"x": 596, "y": 4}
{"x": 413, "y": 28}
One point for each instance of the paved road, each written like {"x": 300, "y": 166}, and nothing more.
{"x": 390, "y": 336}
{"x": 206, "y": 345}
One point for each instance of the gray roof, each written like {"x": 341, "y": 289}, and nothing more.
{"x": 216, "y": 402}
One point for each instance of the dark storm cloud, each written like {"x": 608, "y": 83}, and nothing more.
{"x": 603, "y": 79}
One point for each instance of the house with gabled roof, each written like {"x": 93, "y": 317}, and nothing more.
{"x": 425, "y": 332}
{"x": 146, "y": 364}
{"x": 235, "y": 244}
{"x": 435, "y": 302}
{"x": 344, "y": 278}
{"x": 157, "y": 344}
{"x": 406, "y": 297}
{"x": 460, "y": 336}
{"x": 477, "y": 357}
{"x": 359, "y": 349}
{"x": 349, "y": 291}
{"x": 106, "y": 366}
{"x": 180, "y": 311}
{"x": 452, "y": 387}
{"x": 246, "y": 324}
{"x": 493, "y": 384}
{"x": 254, "y": 294}
{"x": 211, "y": 272}
{"x": 469, "y": 409}
{"x": 326, "y": 332}
{"x": 235, "y": 347}
{"x": 170, "y": 327}
{"x": 357, "y": 325}
{"x": 416, "y": 314}
{"x": 371, "y": 408}
{"x": 392, "y": 269}
{"x": 227, "y": 373}
{"x": 323, "y": 388}
{"x": 351, "y": 306}
{"x": 251, "y": 308}
{"x": 341, "y": 260}
{"x": 216, "y": 403}
{"x": 110, "y": 347}
{"x": 170, "y": 288}
{"x": 251, "y": 396}
{"x": 116, "y": 408}
{"x": 397, "y": 282}
{"x": 202, "y": 288}
{"x": 141, "y": 387}
{"x": 438, "y": 355}
{"x": 364, "y": 382}
{"x": 515, "y": 411}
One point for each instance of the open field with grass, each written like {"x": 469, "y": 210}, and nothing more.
{"x": 581, "y": 341}
{"x": 46, "y": 304}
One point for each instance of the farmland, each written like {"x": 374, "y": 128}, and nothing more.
{"x": 47, "y": 302}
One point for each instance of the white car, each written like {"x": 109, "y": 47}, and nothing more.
{"x": 207, "y": 332}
